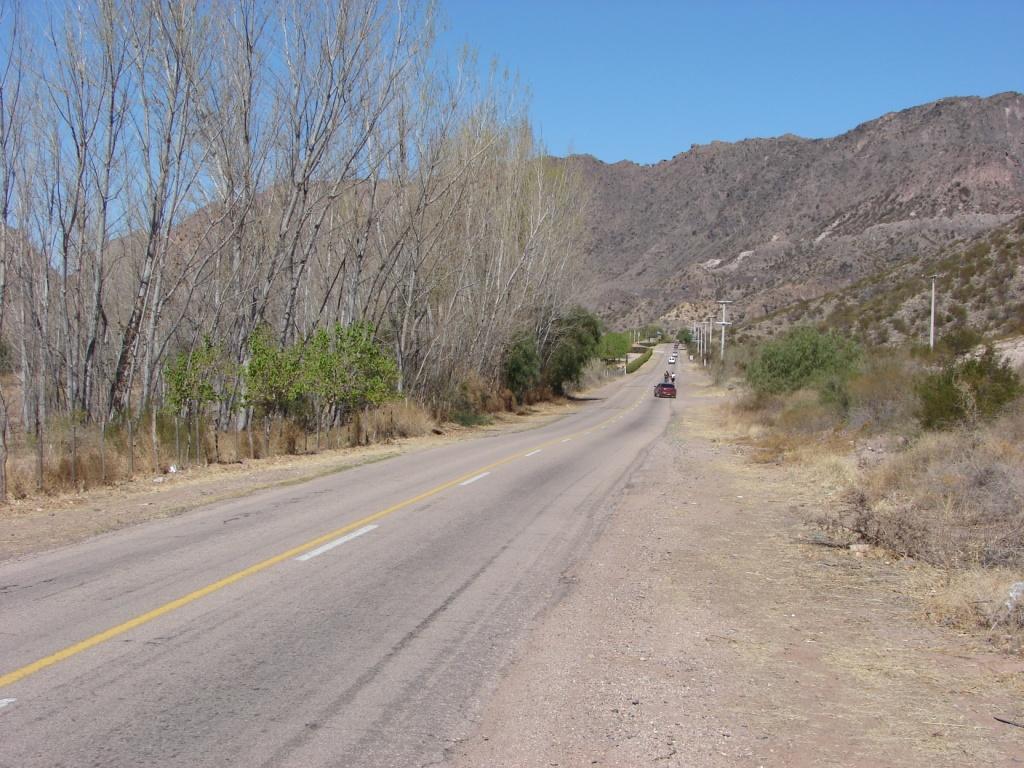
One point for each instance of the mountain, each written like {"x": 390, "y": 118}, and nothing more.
{"x": 769, "y": 222}
{"x": 979, "y": 284}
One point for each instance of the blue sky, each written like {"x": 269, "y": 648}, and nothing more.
{"x": 644, "y": 79}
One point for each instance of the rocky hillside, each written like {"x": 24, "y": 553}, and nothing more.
{"x": 979, "y": 293}
{"x": 769, "y": 222}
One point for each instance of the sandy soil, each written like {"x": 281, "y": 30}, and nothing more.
{"x": 41, "y": 523}
{"x": 703, "y": 630}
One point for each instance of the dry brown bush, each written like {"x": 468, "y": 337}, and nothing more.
{"x": 539, "y": 394}
{"x": 981, "y": 599}
{"x": 400, "y": 418}
{"x": 791, "y": 427}
{"x": 95, "y": 467}
{"x": 953, "y": 499}
{"x": 71, "y": 462}
{"x": 597, "y": 373}
{"x": 881, "y": 397}
{"x": 804, "y": 414}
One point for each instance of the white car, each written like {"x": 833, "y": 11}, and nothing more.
{"x": 672, "y": 360}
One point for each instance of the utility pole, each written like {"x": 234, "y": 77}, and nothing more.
{"x": 931, "y": 325}
{"x": 710, "y": 336}
{"x": 723, "y": 323}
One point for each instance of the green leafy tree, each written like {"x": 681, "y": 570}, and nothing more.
{"x": 522, "y": 365}
{"x": 374, "y": 373}
{"x": 345, "y": 369}
{"x": 651, "y": 331}
{"x": 961, "y": 340}
{"x": 192, "y": 378}
{"x": 273, "y": 375}
{"x": 614, "y": 345}
{"x": 574, "y": 343}
{"x": 685, "y": 336}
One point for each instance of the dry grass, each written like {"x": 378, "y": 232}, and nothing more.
{"x": 881, "y": 396}
{"x": 988, "y": 600}
{"x": 70, "y": 460}
{"x": 788, "y": 428}
{"x": 401, "y": 418}
{"x": 77, "y": 460}
{"x": 953, "y": 499}
{"x": 598, "y": 373}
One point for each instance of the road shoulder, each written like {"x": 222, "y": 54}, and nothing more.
{"x": 700, "y": 631}
{"x": 40, "y": 524}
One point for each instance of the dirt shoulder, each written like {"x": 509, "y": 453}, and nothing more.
{"x": 42, "y": 523}
{"x": 703, "y": 631}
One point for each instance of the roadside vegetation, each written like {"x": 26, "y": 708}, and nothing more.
{"x": 635, "y": 363}
{"x": 213, "y": 249}
{"x": 925, "y": 453}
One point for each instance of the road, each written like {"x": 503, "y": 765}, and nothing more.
{"x": 358, "y": 619}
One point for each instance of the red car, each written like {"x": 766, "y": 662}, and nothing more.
{"x": 664, "y": 389}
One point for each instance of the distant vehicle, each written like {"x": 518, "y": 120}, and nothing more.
{"x": 664, "y": 389}
{"x": 672, "y": 360}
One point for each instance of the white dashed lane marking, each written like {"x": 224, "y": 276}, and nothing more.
{"x": 335, "y": 543}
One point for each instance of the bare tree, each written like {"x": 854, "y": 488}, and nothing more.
{"x": 11, "y": 138}
{"x": 163, "y": 39}
{"x": 204, "y": 167}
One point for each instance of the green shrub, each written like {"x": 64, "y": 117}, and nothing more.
{"x": 573, "y": 343}
{"x": 522, "y": 365}
{"x": 634, "y": 364}
{"x": 469, "y": 418}
{"x": 960, "y": 341}
{"x": 968, "y": 390}
{"x": 834, "y": 391}
{"x": 803, "y": 357}
{"x": 957, "y": 313}
{"x": 977, "y": 251}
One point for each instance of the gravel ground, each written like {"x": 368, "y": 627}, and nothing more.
{"x": 703, "y": 631}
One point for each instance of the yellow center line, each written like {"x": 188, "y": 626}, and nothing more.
{"x": 108, "y": 634}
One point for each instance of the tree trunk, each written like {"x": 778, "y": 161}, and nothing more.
{"x": 154, "y": 439}
{"x": 74, "y": 455}
{"x": 3, "y": 448}
{"x": 131, "y": 447}
{"x": 39, "y": 450}
{"x": 103, "y": 450}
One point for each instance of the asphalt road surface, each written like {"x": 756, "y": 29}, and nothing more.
{"x": 358, "y": 619}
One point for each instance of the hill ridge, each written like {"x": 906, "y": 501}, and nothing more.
{"x": 767, "y": 221}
